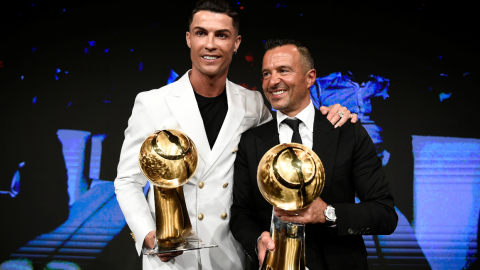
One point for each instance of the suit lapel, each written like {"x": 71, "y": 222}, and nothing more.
{"x": 267, "y": 138}
{"x": 183, "y": 105}
{"x": 233, "y": 119}
{"x": 325, "y": 139}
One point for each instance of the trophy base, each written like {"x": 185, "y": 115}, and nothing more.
{"x": 182, "y": 247}
{"x": 289, "y": 239}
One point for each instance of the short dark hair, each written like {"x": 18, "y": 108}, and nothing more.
{"x": 216, "y": 6}
{"x": 307, "y": 59}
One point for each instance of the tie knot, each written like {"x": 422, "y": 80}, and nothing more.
{"x": 292, "y": 123}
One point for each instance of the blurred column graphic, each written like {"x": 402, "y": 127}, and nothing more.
{"x": 447, "y": 199}
{"x": 73, "y": 147}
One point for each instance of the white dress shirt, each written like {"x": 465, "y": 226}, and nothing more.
{"x": 307, "y": 117}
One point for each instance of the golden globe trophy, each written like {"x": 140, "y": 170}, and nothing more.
{"x": 168, "y": 158}
{"x": 290, "y": 176}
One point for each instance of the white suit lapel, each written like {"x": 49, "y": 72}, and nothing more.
{"x": 184, "y": 108}
{"x": 233, "y": 119}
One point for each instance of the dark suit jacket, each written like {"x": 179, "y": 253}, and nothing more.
{"x": 352, "y": 167}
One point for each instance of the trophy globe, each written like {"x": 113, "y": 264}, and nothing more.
{"x": 290, "y": 176}
{"x": 168, "y": 158}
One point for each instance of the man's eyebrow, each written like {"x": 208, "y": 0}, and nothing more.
{"x": 223, "y": 30}
{"x": 216, "y": 31}
{"x": 279, "y": 67}
{"x": 200, "y": 28}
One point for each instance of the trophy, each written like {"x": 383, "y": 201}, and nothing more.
{"x": 290, "y": 176}
{"x": 168, "y": 158}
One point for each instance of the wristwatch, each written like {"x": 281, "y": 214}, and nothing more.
{"x": 331, "y": 218}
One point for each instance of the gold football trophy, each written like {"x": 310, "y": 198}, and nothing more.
{"x": 168, "y": 158}
{"x": 290, "y": 176}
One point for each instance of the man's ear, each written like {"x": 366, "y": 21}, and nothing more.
{"x": 188, "y": 39}
{"x": 310, "y": 77}
{"x": 238, "y": 40}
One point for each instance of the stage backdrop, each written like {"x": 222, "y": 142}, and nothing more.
{"x": 69, "y": 73}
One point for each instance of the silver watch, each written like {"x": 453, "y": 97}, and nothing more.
{"x": 331, "y": 218}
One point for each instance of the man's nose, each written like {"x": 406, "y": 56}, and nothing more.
{"x": 210, "y": 43}
{"x": 274, "y": 79}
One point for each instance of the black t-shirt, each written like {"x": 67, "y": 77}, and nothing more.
{"x": 213, "y": 111}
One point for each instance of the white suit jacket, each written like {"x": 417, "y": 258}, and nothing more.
{"x": 174, "y": 107}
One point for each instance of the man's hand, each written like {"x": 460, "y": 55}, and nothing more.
{"x": 263, "y": 244}
{"x": 334, "y": 116}
{"x": 150, "y": 242}
{"x": 311, "y": 214}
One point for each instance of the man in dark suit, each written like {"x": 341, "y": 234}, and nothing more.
{"x": 335, "y": 224}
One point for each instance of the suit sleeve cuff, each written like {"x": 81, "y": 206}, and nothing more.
{"x": 140, "y": 239}
{"x": 343, "y": 226}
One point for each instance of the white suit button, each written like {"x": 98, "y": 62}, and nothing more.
{"x": 223, "y": 216}
{"x": 225, "y": 185}
{"x": 201, "y": 185}
{"x": 200, "y": 216}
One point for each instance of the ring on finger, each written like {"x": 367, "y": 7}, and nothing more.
{"x": 296, "y": 212}
{"x": 341, "y": 114}
{"x": 352, "y": 114}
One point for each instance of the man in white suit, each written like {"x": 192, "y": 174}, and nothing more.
{"x": 214, "y": 113}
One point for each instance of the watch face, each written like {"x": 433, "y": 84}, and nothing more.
{"x": 330, "y": 213}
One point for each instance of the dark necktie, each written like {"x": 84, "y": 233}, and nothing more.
{"x": 293, "y": 124}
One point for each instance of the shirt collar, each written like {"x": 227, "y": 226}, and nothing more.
{"x": 307, "y": 116}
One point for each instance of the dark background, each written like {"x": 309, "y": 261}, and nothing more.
{"x": 411, "y": 44}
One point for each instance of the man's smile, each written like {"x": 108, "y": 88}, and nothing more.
{"x": 210, "y": 57}
{"x": 279, "y": 92}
